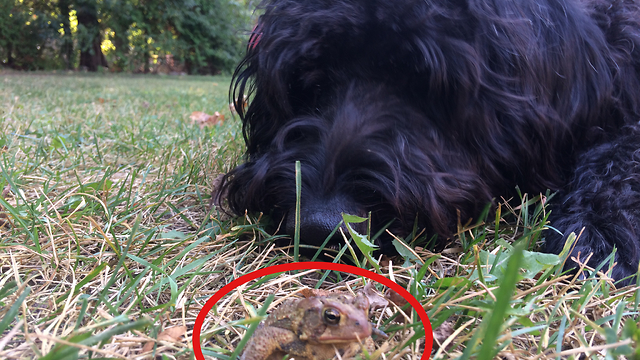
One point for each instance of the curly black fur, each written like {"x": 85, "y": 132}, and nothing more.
{"x": 425, "y": 109}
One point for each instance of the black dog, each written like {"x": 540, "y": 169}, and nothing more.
{"x": 426, "y": 109}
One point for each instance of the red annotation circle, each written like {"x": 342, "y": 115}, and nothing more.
{"x": 197, "y": 328}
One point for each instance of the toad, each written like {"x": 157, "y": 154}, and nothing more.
{"x": 313, "y": 328}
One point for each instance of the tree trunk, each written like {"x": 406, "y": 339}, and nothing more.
{"x": 10, "y": 55}
{"x": 66, "y": 50}
{"x": 145, "y": 59}
{"x": 91, "y": 55}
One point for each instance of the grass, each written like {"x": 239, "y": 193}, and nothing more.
{"x": 108, "y": 248}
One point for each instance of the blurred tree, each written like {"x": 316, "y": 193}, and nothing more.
{"x": 207, "y": 33}
{"x": 207, "y": 36}
{"x": 197, "y": 36}
{"x": 25, "y": 28}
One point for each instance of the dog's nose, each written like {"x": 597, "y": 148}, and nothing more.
{"x": 318, "y": 219}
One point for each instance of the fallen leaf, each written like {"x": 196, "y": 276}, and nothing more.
{"x": 384, "y": 261}
{"x": 308, "y": 292}
{"x": 399, "y": 301}
{"x": 204, "y": 119}
{"x": 242, "y": 105}
{"x": 395, "y": 298}
{"x": 173, "y": 334}
{"x": 442, "y": 333}
{"x": 101, "y": 100}
{"x": 147, "y": 347}
{"x": 376, "y": 301}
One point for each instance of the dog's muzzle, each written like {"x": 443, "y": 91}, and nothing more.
{"x": 318, "y": 218}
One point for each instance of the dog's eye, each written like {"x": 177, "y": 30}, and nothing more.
{"x": 331, "y": 316}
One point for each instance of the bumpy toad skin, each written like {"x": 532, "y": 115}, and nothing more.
{"x": 312, "y": 329}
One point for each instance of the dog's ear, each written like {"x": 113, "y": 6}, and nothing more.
{"x": 252, "y": 95}
{"x": 258, "y": 90}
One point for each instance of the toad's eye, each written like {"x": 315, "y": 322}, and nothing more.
{"x": 331, "y": 316}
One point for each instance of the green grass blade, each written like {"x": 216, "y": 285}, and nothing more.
{"x": 13, "y": 310}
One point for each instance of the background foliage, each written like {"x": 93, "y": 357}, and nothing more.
{"x": 190, "y": 36}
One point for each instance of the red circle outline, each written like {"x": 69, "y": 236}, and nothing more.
{"x": 197, "y": 327}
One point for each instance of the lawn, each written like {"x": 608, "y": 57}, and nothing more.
{"x": 109, "y": 248}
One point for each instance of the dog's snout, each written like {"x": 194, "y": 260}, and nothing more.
{"x": 319, "y": 218}
{"x": 315, "y": 226}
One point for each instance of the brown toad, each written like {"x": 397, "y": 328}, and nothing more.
{"x": 312, "y": 329}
